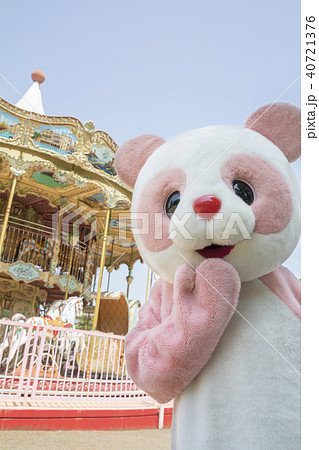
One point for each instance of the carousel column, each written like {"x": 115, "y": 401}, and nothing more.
{"x": 110, "y": 267}
{"x": 129, "y": 278}
{"x": 69, "y": 273}
{"x": 99, "y": 287}
{"x": 88, "y": 272}
{"x": 147, "y": 283}
{"x": 57, "y": 243}
{"x": 8, "y": 209}
{"x": 102, "y": 264}
{"x": 35, "y": 294}
{"x": 74, "y": 241}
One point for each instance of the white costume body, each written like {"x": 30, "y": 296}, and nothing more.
{"x": 246, "y": 380}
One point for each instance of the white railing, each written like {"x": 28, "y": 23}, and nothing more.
{"x": 45, "y": 362}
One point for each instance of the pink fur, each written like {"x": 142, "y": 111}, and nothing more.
{"x": 180, "y": 326}
{"x": 281, "y": 124}
{"x": 272, "y": 206}
{"x": 283, "y": 283}
{"x": 132, "y": 155}
{"x": 153, "y": 201}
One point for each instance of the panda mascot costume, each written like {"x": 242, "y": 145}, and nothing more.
{"x": 215, "y": 212}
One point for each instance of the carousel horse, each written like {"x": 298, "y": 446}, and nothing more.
{"x": 28, "y": 245}
{"x": 12, "y": 341}
{"x": 62, "y": 313}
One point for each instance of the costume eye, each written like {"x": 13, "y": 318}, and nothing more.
{"x": 171, "y": 203}
{"x": 244, "y": 191}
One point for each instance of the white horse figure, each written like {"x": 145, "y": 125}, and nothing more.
{"x": 62, "y": 313}
{"x": 66, "y": 309}
{"x": 14, "y": 337}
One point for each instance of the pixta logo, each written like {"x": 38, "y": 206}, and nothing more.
{"x": 73, "y": 217}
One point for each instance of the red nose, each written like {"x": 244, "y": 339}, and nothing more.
{"x": 207, "y": 206}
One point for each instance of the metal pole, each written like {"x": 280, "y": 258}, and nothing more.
{"x": 69, "y": 273}
{"x": 58, "y": 234}
{"x": 102, "y": 264}
{"x": 110, "y": 265}
{"x": 98, "y": 293}
{"x": 36, "y": 291}
{"x": 161, "y": 414}
{"x": 72, "y": 243}
{"x": 129, "y": 278}
{"x": 108, "y": 282}
{"x": 147, "y": 283}
{"x": 7, "y": 214}
{"x": 96, "y": 261}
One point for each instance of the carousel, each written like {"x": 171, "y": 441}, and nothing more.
{"x": 65, "y": 223}
{"x": 64, "y": 213}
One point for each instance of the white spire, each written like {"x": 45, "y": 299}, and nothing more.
{"x": 32, "y": 99}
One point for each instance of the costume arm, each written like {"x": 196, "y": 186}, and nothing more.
{"x": 286, "y": 286}
{"x": 165, "y": 352}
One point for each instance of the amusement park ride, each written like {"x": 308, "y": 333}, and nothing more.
{"x": 65, "y": 218}
{"x": 60, "y": 201}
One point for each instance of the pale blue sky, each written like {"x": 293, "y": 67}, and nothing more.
{"x": 160, "y": 67}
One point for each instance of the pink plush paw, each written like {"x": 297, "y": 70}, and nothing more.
{"x": 214, "y": 279}
{"x": 220, "y": 278}
{"x": 185, "y": 278}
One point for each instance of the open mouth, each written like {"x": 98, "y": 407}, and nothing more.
{"x": 215, "y": 251}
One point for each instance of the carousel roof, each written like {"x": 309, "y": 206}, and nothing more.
{"x": 73, "y": 150}
{"x": 32, "y": 99}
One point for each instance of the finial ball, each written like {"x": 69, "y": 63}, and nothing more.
{"x": 38, "y": 75}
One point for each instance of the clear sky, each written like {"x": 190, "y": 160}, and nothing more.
{"x": 162, "y": 67}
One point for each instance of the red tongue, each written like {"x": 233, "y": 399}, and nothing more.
{"x": 215, "y": 251}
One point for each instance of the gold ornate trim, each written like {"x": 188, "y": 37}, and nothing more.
{"x": 20, "y": 165}
{"x": 70, "y": 142}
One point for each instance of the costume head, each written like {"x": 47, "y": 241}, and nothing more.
{"x": 217, "y": 192}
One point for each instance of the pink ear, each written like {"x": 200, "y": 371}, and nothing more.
{"x": 132, "y": 155}
{"x": 281, "y": 124}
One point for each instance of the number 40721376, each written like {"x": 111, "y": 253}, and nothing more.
{"x": 310, "y": 51}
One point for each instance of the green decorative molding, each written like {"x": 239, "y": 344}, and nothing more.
{"x": 23, "y": 271}
{"x": 73, "y": 285}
